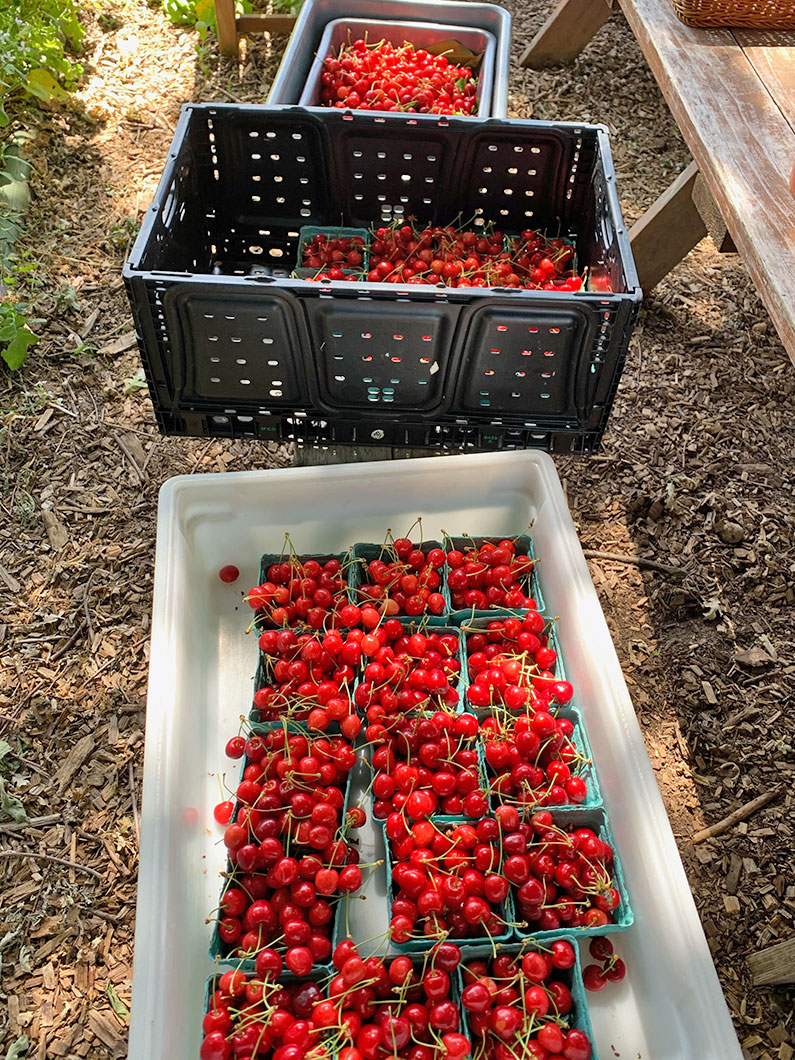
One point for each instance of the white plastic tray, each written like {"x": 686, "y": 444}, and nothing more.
{"x": 342, "y": 31}
{"x": 669, "y": 1008}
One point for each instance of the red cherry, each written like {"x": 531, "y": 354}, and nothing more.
{"x": 229, "y": 573}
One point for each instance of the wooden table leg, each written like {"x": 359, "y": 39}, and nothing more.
{"x": 226, "y": 24}
{"x": 668, "y": 230}
{"x": 566, "y": 32}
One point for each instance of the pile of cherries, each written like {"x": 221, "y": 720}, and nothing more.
{"x": 532, "y": 761}
{"x": 519, "y": 1005}
{"x": 561, "y": 873}
{"x": 288, "y": 856}
{"x": 610, "y": 969}
{"x": 510, "y": 665}
{"x": 312, "y": 592}
{"x": 491, "y": 575}
{"x": 462, "y": 257}
{"x": 383, "y": 76}
{"x": 428, "y": 765}
{"x": 405, "y": 579}
{"x": 309, "y": 676}
{"x": 409, "y": 672}
{"x": 446, "y": 879}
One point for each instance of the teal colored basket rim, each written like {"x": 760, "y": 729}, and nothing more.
{"x": 594, "y": 801}
{"x": 365, "y": 550}
{"x": 248, "y": 964}
{"x": 522, "y": 540}
{"x": 624, "y": 917}
{"x": 505, "y": 909}
{"x": 579, "y": 1016}
{"x": 308, "y": 232}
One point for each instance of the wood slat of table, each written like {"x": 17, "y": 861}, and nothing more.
{"x": 743, "y": 143}
{"x": 772, "y": 55}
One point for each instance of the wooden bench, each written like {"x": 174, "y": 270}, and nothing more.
{"x": 230, "y": 26}
{"x": 732, "y": 93}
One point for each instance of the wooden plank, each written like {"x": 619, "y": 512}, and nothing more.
{"x": 772, "y": 55}
{"x": 743, "y": 144}
{"x": 226, "y": 27}
{"x": 668, "y": 230}
{"x": 566, "y": 32}
{"x": 265, "y": 23}
{"x": 773, "y": 965}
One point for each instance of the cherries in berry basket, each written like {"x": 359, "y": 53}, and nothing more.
{"x": 400, "y": 1007}
{"x": 303, "y": 590}
{"x": 407, "y": 670}
{"x": 402, "y": 577}
{"x": 520, "y": 1004}
{"x": 308, "y": 676}
{"x": 511, "y": 665}
{"x": 428, "y": 765}
{"x": 446, "y": 880}
{"x": 532, "y": 760}
{"x": 489, "y": 573}
{"x": 562, "y": 871}
{"x": 289, "y": 857}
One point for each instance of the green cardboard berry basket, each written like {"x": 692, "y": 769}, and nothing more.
{"x": 308, "y": 233}
{"x": 467, "y": 625}
{"x": 572, "y": 977}
{"x": 524, "y": 542}
{"x": 218, "y": 948}
{"x": 623, "y": 916}
{"x": 345, "y": 560}
{"x": 260, "y": 679}
{"x": 505, "y": 909}
{"x": 364, "y": 552}
{"x": 588, "y": 772}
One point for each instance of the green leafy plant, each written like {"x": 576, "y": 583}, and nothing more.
{"x": 35, "y": 39}
{"x": 16, "y": 338}
{"x": 201, "y": 13}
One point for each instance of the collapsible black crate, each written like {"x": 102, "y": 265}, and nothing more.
{"x": 232, "y": 346}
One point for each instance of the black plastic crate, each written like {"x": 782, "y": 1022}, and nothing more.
{"x": 232, "y": 346}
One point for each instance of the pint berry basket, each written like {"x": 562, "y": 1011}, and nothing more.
{"x": 233, "y": 346}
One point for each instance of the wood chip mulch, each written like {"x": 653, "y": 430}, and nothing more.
{"x": 696, "y": 473}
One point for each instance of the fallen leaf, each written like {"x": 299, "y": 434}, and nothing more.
{"x": 10, "y": 806}
{"x": 116, "y": 1003}
{"x": 18, "y": 1048}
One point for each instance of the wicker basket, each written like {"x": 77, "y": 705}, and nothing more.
{"x": 749, "y": 14}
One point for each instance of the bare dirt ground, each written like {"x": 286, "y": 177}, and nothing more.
{"x": 696, "y": 472}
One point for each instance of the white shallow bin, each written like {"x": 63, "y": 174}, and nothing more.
{"x": 344, "y": 31}
{"x": 670, "y": 1007}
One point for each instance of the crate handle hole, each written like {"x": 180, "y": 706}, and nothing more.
{"x": 502, "y": 327}
{"x": 549, "y": 353}
{"x": 366, "y": 335}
